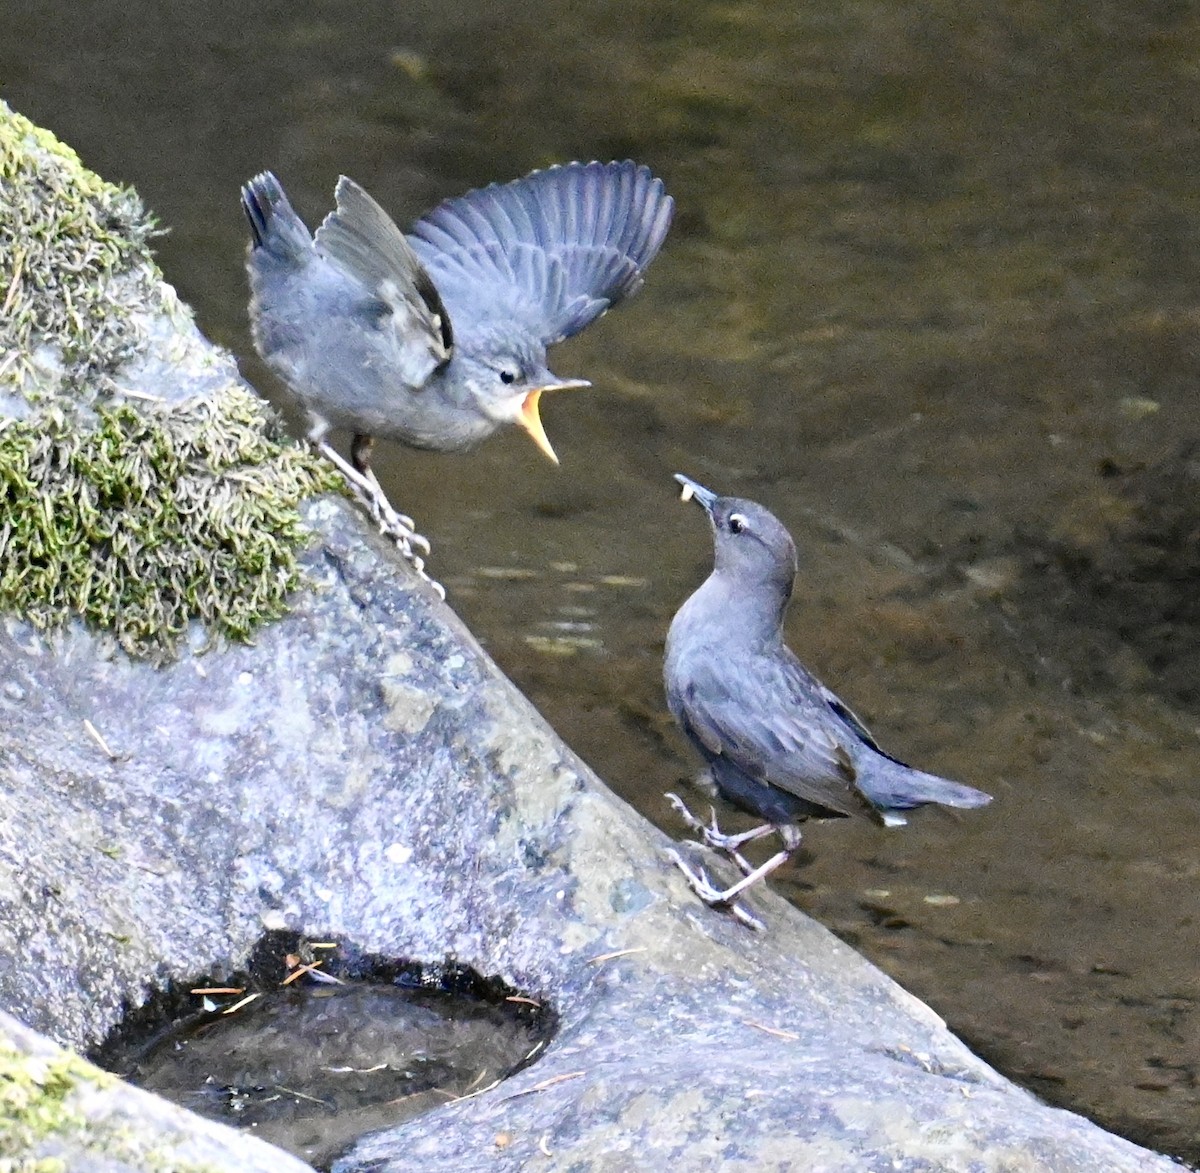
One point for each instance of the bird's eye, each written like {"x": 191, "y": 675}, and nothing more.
{"x": 737, "y": 523}
{"x": 508, "y": 375}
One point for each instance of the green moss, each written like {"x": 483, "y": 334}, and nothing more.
{"x": 152, "y": 518}
{"x": 37, "y": 1104}
{"x": 34, "y": 1104}
{"x": 143, "y": 518}
{"x": 74, "y": 259}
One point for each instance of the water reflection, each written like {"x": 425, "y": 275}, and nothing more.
{"x": 931, "y": 297}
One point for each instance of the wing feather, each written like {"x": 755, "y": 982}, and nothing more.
{"x": 362, "y": 240}
{"x": 550, "y": 252}
{"x": 776, "y": 732}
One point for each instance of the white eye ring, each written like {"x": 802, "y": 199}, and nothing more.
{"x": 737, "y": 523}
{"x": 508, "y": 376}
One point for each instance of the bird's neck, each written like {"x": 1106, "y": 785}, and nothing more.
{"x": 454, "y": 384}
{"x": 751, "y": 619}
{"x": 445, "y": 415}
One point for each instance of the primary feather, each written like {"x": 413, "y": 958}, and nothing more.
{"x": 552, "y": 251}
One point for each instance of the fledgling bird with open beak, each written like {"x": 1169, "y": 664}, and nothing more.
{"x": 439, "y": 338}
{"x": 777, "y": 742}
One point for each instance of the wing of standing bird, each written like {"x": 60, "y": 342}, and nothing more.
{"x": 776, "y": 729}
{"x": 362, "y": 241}
{"x": 853, "y": 722}
{"x": 550, "y": 252}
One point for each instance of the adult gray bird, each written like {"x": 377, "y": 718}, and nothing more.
{"x": 438, "y": 338}
{"x": 777, "y": 742}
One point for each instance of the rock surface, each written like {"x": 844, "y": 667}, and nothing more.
{"x": 364, "y": 773}
{"x": 56, "y": 1112}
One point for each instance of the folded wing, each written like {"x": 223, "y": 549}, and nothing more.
{"x": 363, "y": 242}
{"x": 775, "y": 732}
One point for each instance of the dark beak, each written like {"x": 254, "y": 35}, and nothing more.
{"x": 691, "y": 489}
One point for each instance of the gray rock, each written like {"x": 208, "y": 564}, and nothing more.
{"x": 56, "y": 1112}
{"x": 364, "y": 772}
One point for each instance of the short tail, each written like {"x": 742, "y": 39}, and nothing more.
{"x": 274, "y": 225}
{"x": 892, "y": 787}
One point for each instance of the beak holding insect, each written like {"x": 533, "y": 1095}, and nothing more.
{"x": 531, "y": 420}
{"x": 690, "y": 490}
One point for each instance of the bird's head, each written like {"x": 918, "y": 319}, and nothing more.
{"x": 750, "y": 543}
{"x": 506, "y": 380}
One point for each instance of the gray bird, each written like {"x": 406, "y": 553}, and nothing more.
{"x": 439, "y": 338}
{"x": 777, "y": 742}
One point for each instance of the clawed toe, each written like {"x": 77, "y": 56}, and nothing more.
{"x": 712, "y": 836}
{"x": 712, "y": 896}
{"x": 684, "y": 813}
{"x": 398, "y": 528}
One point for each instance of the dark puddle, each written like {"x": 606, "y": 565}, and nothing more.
{"x": 315, "y": 1044}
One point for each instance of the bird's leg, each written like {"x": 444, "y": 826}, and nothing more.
{"x": 367, "y": 489}
{"x": 712, "y": 896}
{"x": 760, "y": 873}
{"x": 361, "y": 446}
{"x": 381, "y": 508}
{"x": 724, "y": 900}
{"x": 730, "y": 843}
{"x": 712, "y": 835}
{"x": 370, "y": 494}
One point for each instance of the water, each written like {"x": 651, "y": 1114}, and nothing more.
{"x": 313, "y": 1065}
{"x": 931, "y": 296}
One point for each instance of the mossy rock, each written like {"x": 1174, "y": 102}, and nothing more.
{"x": 34, "y": 1105}
{"x": 74, "y": 260}
{"x": 59, "y": 1114}
{"x": 142, "y": 485}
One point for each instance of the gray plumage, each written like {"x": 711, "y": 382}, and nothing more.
{"x": 777, "y": 742}
{"x": 439, "y": 338}
{"x": 547, "y": 254}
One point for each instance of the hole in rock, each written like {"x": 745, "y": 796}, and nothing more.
{"x": 316, "y": 1044}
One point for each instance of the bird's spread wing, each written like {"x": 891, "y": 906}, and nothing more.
{"x": 362, "y": 240}
{"x": 776, "y": 729}
{"x": 550, "y": 252}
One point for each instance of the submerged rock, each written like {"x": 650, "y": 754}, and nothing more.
{"x": 363, "y": 772}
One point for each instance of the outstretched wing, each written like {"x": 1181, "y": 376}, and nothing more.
{"x": 363, "y": 242}
{"x": 775, "y": 729}
{"x": 550, "y": 252}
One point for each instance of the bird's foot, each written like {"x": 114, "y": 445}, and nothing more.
{"x": 682, "y": 810}
{"x": 699, "y": 882}
{"x": 712, "y": 836}
{"x": 396, "y": 527}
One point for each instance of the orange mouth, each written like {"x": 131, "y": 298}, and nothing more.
{"x": 531, "y": 420}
